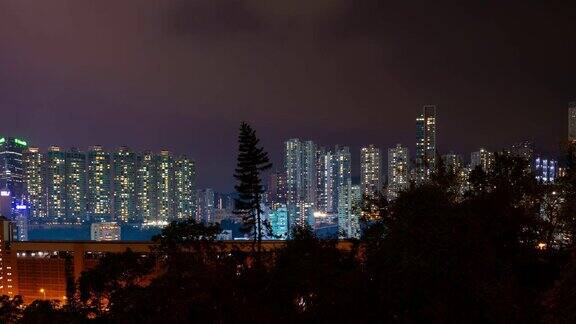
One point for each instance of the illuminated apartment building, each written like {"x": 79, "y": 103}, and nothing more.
{"x": 98, "y": 178}
{"x": 124, "y": 184}
{"x": 33, "y": 163}
{"x": 398, "y": 170}
{"x": 426, "y": 143}
{"x": 370, "y": 170}
{"x": 185, "y": 188}
{"x": 55, "y": 182}
{"x": 75, "y": 182}
{"x": 146, "y": 188}
{"x": 165, "y": 186}
{"x": 301, "y": 180}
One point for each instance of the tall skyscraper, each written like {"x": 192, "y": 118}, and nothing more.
{"x": 426, "y": 143}
{"x": 349, "y": 198}
{"x": 327, "y": 184}
{"x": 33, "y": 163}
{"x": 11, "y": 171}
{"x": 205, "y": 211}
{"x": 185, "y": 182}
{"x": 124, "y": 184}
{"x": 293, "y": 166}
{"x": 75, "y": 182}
{"x": 398, "y": 170}
{"x": 277, "y": 189}
{"x": 301, "y": 179}
{"x": 370, "y": 170}
{"x": 146, "y": 196}
{"x": 165, "y": 185}
{"x": 482, "y": 158}
{"x": 343, "y": 165}
{"x": 55, "y": 180}
{"x": 572, "y": 121}
{"x": 320, "y": 178}
{"x": 99, "y": 189}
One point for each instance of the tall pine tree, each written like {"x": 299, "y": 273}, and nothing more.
{"x": 252, "y": 161}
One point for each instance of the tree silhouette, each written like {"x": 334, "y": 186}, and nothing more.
{"x": 252, "y": 161}
{"x": 115, "y": 273}
{"x": 10, "y": 309}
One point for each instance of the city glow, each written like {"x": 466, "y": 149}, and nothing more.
{"x": 320, "y": 214}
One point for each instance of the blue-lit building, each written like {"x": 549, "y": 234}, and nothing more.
{"x": 21, "y": 217}
{"x": 279, "y": 222}
{"x": 546, "y": 170}
{"x": 11, "y": 170}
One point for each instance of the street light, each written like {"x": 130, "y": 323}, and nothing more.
{"x": 43, "y": 292}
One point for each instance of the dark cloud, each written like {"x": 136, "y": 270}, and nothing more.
{"x": 182, "y": 74}
{"x": 209, "y": 18}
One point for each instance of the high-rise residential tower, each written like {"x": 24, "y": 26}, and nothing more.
{"x": 146, "y": 191}
{"x": 327, "y": 185}
{"x": 164, "y": 163}
{"x": 321, "y": 165}
{"x": 124, "y": 184}
{"x": 55, "y": 182}
{"x": 349, "y": 197}
{"x": 185, "y": 183}
{"x": 124, "y": 167}
{"x": 398, "y": 170}
{"x": 98, "y": 175}
{"x": 343, "y": 166}
{"x": 205, "y": 211}
{"x": 277, "y": 189}
{"x": 301, "y": 179}
{"x": 75, "y": 182}
{"x": 426, "y": 143}
{"x": 370, "y": 170}
{"x": 33, "y": 163}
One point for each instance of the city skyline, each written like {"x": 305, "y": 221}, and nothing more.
{"x": 357, "y": 152}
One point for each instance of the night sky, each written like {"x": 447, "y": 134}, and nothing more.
{"x": 182, "y": 75}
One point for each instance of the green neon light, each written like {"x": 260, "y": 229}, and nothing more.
{"x": 2, "y": 140}
{"x": 20, "y": 142}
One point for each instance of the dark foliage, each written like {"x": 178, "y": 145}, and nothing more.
{"x": 428, "y": 257}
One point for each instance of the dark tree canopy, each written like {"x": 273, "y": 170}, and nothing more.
{"x": 502, "y": 253}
